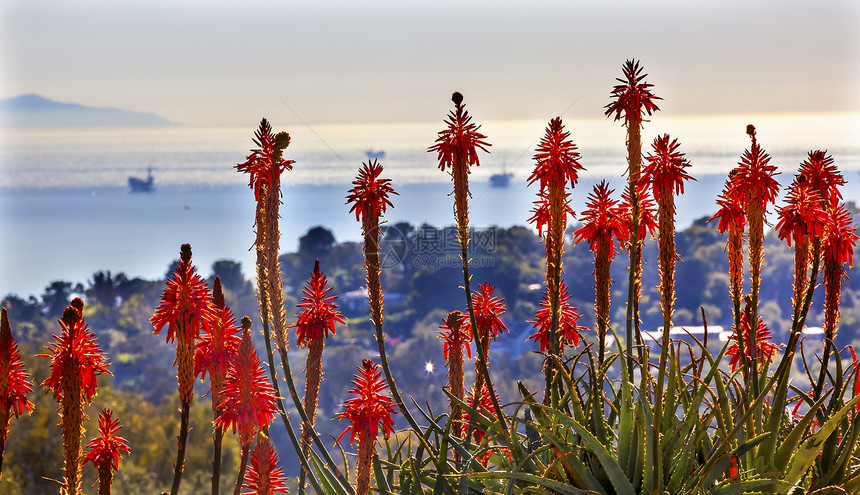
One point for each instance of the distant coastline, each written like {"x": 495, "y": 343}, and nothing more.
{"x": 34, "y": 111}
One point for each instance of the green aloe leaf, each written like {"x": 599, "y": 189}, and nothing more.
{"x": 733, "y": 487}
{"x": 329, "y": 482}
{"x": 555, "y": 486}
{"x": 607, "y": 461}
{"x": 381, "y": 481}
{"x": 805, "y": 456}
{"x": 785, "y": 452}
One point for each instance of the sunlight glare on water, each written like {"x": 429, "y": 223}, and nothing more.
{"x": 331, "y": 154}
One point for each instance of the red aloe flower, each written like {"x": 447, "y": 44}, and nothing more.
{"x": 541, "y": 212}
{"x": 666, "y": 175}
{"x": 648, "y": 222}
{"x": 457, "y": 147}
{"x": 556, "y": 157}
{"x": 76, "y": 360}
{"x": 186, "y": 309}
{"x": 732, "y": 219}
{"x": 266, "y": 161}
{"x": 822, "y": 175}
{"x": 731, "y": 214}
{"x": 217, "y": 346}
{"x": 764, "y": 350}
{"x": 367, "y": 411}
{"x": 265, "y": 476}
{"x": 802, "y": 215}
{"x": 320, "y": 313}
{"x": 567, "y": 327}
{"x": 75, "y": 356}
{"x": 247, "y": 399}
{"x": 604, "y": 222}
{"x": 15, "y": 384}
{"x": 633, "y": 96}
{"x": 753, "y": 184}
{"x": 455, "y": 335}
{"x": 752, "y": 181}
{"x": 487, "y": 311}
{"x": 838, "y": 249}
{"x": 665, "y": 171}
{"x": 370, "y": 199}
{"x": 185, "y": 303}
{"x": 801, "y": 219}
{"x": 459, "y": 143}
{"x": 840, "y": 235}
{"x": 369, "y": 196}
{"x": 105, "y": 450}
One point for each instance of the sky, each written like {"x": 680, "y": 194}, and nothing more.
{"x": 224, "y": 62}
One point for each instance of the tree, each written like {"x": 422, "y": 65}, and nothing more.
{"x": 231, "y": 275}
{"x": 316, "y": 244}
{"x": 104, "y": 289}
{"x": 57, "y": 296}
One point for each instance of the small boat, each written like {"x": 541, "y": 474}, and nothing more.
{"x": 501, "y": 180}
{"x": 136, "y": 184}
{"x": 374, "y": 155}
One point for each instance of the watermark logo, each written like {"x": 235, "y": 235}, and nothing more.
{"x": 393, "y": 247}
{"x": 434, "y": 248}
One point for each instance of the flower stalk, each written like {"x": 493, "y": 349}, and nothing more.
{"x": 313, "y": 326}
{"x": 186, "y": 309}
{"x": 840, "y": 239}
{"x": 76, "y": 361}
{"x": 633, "y": 99}
{"x": 247, "y": 399}
{"x": 556, "y": 166}
{"x": 213, "y": 354}
{"x": 456, "y": 337}
{"x": 105, "y": 451}
{"x": 665, "y": 173}
{"x": 367, "y": 411}
{"x": 264, "y": 165}
{"x": 488, "y": 310}
{"x": 265, "y": 476}
{"x": 604, "y": 224}
{"x": 457, "y": 148}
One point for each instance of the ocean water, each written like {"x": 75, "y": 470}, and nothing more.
{"x": 65, "y": 211}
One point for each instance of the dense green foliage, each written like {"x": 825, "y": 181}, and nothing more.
{"x": 417, "y": 277}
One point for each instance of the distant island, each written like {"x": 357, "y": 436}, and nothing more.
{"x": 28, "y": 111}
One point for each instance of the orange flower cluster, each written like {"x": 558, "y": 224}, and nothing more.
{"x": 265, "y": 164}
{"x": 105, "y": 450}
{"x": 369, "y": 409}
{"x": 247, "y": 399}
{"x": 568, "y": 330}
{"x": 458, "y": 144}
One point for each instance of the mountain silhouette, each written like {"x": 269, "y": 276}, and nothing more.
{"x": 30, "y": 110}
